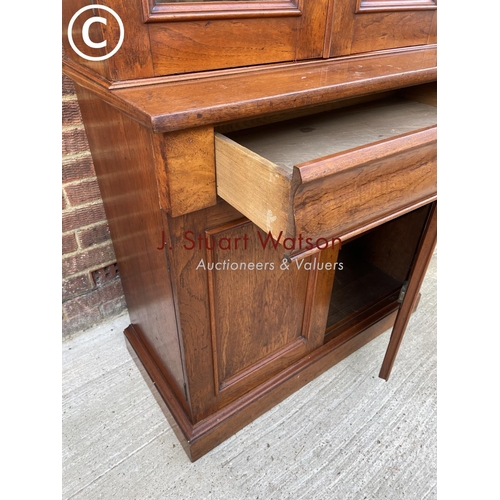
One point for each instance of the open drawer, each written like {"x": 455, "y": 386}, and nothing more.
{"x": 332, "y": 174}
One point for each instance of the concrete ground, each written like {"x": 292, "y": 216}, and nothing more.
{"x": 346, "y": 435}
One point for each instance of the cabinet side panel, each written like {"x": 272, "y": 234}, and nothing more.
{"x": 124, "y": 163}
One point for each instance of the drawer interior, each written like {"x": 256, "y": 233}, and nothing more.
{"x": 373, "y": 268}
{"x": 304, "y": 139}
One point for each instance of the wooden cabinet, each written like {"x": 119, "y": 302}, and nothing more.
{"x": 270, "y": 219}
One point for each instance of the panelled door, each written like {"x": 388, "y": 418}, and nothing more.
{"x": 367, "y": 25}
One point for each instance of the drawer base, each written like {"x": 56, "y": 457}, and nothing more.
{"x": 199, "y": 439}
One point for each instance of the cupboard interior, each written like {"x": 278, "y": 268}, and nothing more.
{"x": 371, "y": 271}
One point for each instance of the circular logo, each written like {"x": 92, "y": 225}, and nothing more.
{"x": 85, "y": 33}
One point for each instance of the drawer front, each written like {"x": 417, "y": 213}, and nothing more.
{"x": 337, "y": 194}
{"x": 350, "y": 190}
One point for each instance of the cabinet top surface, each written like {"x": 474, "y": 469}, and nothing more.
{"x": 216, "y": 99}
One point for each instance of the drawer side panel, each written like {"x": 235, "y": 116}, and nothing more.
{"x": 256, "y": 187}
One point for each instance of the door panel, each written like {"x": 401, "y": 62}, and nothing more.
{"x": 244, "y": 316}
{"x": 216, "y": 35}
{"x": 265, "y": 322}
{"x": 368, "y": 25}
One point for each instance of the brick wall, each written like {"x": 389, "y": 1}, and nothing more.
{"x": 91, "y": 287}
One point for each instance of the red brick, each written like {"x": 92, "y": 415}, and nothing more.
{"x": 81, "y": 217}
{"x": 83, "y": 192}
{"x": 87, "y": 260}
{"x": 67, "y": 86}
{"x": 81, "y": 322}
{"x": 71, "y": 112}
{"x": 89, "y": 301}
{"x": 74, "y": 141}
{"x": 77, "y": 167}
{"x": 113, "y": 307}
{"x": 64, "y": 205}
{"x": 93, "y": 235}
{"x": 69, "y": 243}
{"x": 77, "y": 285}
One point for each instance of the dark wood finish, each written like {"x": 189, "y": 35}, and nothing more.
{"x": 127, "y": 182}
{"x": 364, "y": 25}
{"x": 263, "y": 91}
{"x": 186, "y": 169}
{"x": 423, "y": 257}
{"x": 426, "y": 93}
{"x": 198, "y": 439}
{"x": 388, "y": 176}
{"x": 133, "y": 59}
{"x": 222, "y": 346}
{"x": 359, "y": 286}
{"x": 195, "y": 45}
{"x": 375, "y": 266}
{"x": 392, "y": 246}
{"x": 231, "y": 348}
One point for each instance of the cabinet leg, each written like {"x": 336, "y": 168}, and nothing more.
{"x": 424, "y": 255}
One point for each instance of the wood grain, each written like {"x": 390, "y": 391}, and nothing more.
{"x": 195, "y": 45}
{"x": 382, "y": 179}
{"x": 228, "y": 347}
{"x": 186, "y": 169}
{"x": 249, "y": 348}
{"x": 133, "y": 59}
{"x": 256, "y": 187}
{"x": 127, "y": 182}
{"x": 263, "y": 91}
{"x": 381, "y": 25}
{"x": 223, "y": 346}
